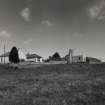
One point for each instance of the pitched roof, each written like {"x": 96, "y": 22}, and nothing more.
{"x": 5, "y": 55}
{"x": 30, "y": 56}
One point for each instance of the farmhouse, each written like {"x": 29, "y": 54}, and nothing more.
{"x": 81, "y": 58}
{"x": 34, "y": 58}
{"x": 5, "y": 57}
{"x": 78, "y": 58}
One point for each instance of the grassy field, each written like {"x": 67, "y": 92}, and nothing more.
{"x": 76, "y": 84}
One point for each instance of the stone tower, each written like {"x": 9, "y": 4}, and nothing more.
{"x": 70, "y": 56}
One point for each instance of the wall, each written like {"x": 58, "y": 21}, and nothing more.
{"x": 35, "y": 60}
{"x": 78, "y": 58}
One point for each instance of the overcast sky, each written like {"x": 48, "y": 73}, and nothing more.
{"x": 46, "y": 26}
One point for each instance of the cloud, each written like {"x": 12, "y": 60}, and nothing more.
{"x": 97, "y": 11}
{"x": 25, "y": 14}
{"x": 48, "y": 23}
{"x": 5, "y": 34}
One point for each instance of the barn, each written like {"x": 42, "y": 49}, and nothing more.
{"x": 34, "y": 58}
{"x": 92, "y": 60}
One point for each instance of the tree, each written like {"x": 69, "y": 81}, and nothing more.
{"x": 56, "y": 56}
{"x": 13, "y": 56}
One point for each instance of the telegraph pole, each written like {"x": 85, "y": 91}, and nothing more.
{"x": 4, "y": 53}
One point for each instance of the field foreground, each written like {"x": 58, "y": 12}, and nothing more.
{"x": 77, "y": 84}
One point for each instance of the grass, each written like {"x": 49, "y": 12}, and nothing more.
{"x": 76, "y": 84}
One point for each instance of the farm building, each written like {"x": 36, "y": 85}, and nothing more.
{"x": 76, "y": 59}
{"x": 92, "y": 60}
{"x": 5, "y": 57}
{"x": 22, "y": 56}
{"x": 79, "y": 58}
{"x": 34, "y": 58}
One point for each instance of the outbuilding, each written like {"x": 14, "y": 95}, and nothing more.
{"x": 34, "y": 58}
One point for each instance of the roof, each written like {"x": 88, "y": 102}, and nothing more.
{"x": 5, "y": 55}
{"x": 30, "y": 56}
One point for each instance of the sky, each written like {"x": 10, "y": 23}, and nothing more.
{"x": 46, "y": 26}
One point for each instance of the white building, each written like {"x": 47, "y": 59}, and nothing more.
{"x": 4, "y": 58}
{"x": 34, "y": 58}
{"x": 22, "y": 56}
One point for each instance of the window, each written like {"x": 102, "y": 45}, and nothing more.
{"x": 79, "y": 58}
